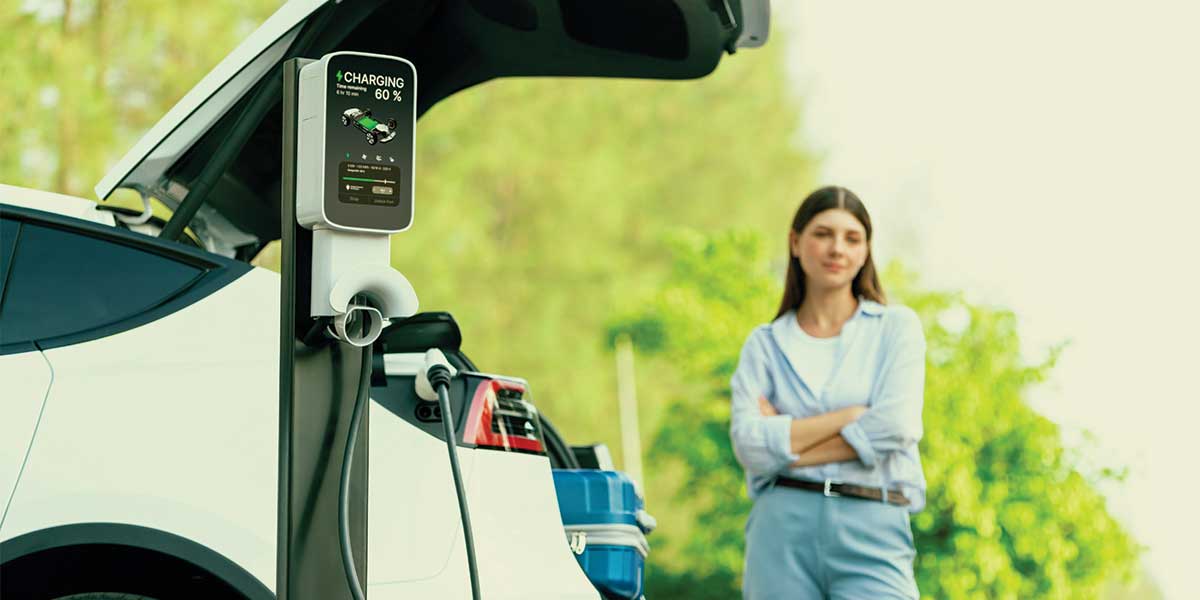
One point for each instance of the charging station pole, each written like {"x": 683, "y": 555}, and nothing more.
{"x": 313, "y": 414}
{"x": 349, "y": 123}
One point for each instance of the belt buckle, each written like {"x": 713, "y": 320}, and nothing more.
{"x": 828, "y": 492}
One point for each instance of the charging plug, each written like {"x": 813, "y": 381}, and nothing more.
{"x": 438, "y": 369}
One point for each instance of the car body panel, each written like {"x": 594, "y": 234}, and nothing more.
{"x": 172, "y": 426}
{"x": 521, "y": 554}
{"x": 184, "y": 441}
{"x": 521, "y": 535}
{"x": 521, "y": 547}
{"x": 409, "y": 500}
{"x": 61, "y": 204}
{"x": 26, "y": 378}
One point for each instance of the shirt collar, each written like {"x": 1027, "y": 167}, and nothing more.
{"x": 869, "y": 307}
{"x": 865, "y": 307}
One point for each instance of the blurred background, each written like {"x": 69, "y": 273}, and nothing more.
{"x": 1030, "y": 172}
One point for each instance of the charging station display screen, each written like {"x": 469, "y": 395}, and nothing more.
{"x": 366, "y": 183}
{"x": 370, "y": 120}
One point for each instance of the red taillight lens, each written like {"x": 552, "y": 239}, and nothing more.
{"x": 500, "y": 419}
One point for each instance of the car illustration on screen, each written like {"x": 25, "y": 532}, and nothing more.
{"x": 377, "y": 133}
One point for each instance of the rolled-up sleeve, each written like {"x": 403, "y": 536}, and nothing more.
{"x": 893, "y": 419}
{"x": 763, "y": 445}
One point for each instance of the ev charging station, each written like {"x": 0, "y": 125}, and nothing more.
{"x": 348, "y": 159}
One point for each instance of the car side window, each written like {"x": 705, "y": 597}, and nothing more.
{"x": 8, "y": 241}
{"x": 62, "y": 282}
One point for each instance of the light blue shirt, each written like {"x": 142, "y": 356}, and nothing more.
{"x": 879, "y": 362}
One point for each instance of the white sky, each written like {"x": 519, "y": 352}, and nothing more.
{"x": 1041, "y": 156}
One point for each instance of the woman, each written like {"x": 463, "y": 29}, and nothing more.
{"x": 826, "y": 418}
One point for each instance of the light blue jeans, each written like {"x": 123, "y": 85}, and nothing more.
{"x": 802, "y": 544}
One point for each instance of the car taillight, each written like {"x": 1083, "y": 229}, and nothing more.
{"x": 500, "y": 419}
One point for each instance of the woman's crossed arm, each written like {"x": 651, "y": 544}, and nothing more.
{"x": 816, "y": 440}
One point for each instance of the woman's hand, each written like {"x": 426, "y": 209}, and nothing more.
{"x": 766, "y": 408}
{"x": 816, "y": 439}
{"x": 807, "y": 432}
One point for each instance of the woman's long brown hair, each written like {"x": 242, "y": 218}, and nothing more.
{"x": 866, "y": 283}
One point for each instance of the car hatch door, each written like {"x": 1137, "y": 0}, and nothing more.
{"x": 455, "y": 44}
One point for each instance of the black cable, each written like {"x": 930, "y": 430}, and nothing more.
{"x": 439, "y": 378}
{"x": 364, "y": 386}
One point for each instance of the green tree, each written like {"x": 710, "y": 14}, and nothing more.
{"x": 84, "y": 79}
{"x": 544, "y": 201}
{"x": 1008, "y": 515}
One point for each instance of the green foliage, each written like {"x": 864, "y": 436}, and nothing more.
{"x": 84, "y": 79}
{"x": 707, "y": 307}
{"x": 1008, "y": 515}
{"x": 545, "y": 200}
{"x": 1015, "y": 518}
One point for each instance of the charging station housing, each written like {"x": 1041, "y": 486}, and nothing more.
{"x": 354, "y": 172}
{"x": 356, "y": 158}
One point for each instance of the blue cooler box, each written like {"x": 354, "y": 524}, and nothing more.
{"x": 606, "y": 524}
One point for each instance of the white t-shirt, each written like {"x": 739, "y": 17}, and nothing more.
{"x": 812, "y": 357}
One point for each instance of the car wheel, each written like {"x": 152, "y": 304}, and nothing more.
{"x": 345, "y": 121}
{"x": 391, "y": 123}
{"x": 371, "y": 139}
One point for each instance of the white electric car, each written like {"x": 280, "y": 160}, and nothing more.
{"x": 139, "y": 376}
{"x": 120, "y": 422}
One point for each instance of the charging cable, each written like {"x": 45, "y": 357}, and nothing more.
{"x": 438, "y": 374}
{"x": 364, "y": 386}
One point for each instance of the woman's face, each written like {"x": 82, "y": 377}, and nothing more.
{"x": 832, "y": 249}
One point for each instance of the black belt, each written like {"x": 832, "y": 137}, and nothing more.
{"x": 829, "y": 488}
